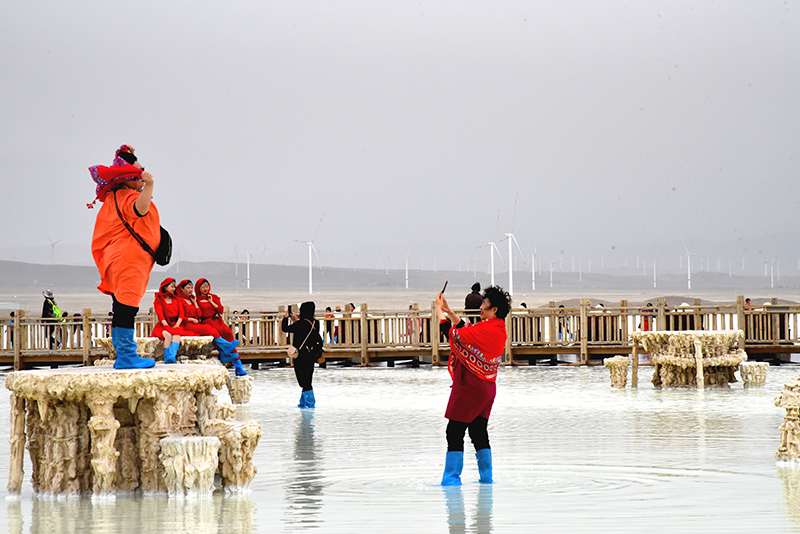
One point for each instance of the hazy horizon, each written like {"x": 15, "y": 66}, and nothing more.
{"x": 594, "y": 131}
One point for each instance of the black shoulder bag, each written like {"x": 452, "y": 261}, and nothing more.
{"x": 163, "y": 253}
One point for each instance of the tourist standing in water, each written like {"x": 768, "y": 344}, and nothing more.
{"x": 475, "y": 353}
{"x": 307, "y": 341}
{"x": 126, "y": 191}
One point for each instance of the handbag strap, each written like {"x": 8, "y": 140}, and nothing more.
{"x": 309, "y": 333}
{"x": 136, "y": 236}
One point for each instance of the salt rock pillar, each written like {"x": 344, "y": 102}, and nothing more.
{"x": 103, "y": 428}
{"x": 240, "y": 389}
{"x": 618, "y": 366}
{"x": 789, "y": 398}
{"x": 190, "y": 464}
{"x": 17, "y": 441}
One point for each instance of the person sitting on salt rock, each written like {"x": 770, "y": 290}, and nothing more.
{"x": 227, "y": 349}
{"x": 170, "y": 318}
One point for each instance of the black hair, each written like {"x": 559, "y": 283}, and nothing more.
{"x": 499, "y": 299}
{"x": 476, "y": 287}
{"x": 307, "y": 310}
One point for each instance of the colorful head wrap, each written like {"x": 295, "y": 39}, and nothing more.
{"x": 108, "y": 177}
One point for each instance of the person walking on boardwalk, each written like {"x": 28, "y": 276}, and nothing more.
{"x": 475, "y": 353}
{"x": 307, "y": 341}
{"x": 126, "y": 192}
{"x": 473, "y": 301}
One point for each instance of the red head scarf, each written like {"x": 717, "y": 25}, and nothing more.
{"x": 108, "y": 177}
{"x": 200, "y": 283}
{"x": 182, "y": 284}
{"x": 162, "y": 289}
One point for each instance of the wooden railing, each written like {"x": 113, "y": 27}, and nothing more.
{"x": 363, "y": 335}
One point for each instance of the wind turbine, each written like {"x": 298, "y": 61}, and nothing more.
{"x": 511, "y": 238}
{"x": 688, "y": 266}
{"x": 52, "y": 249}
{"x": 408, "y": 255}
{"x": 492, "y": 248}
{"x": 314, "y": 250}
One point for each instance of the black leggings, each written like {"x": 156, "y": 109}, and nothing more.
{"x": 124, "y": 315}
{"x": 477, "y": 433}
{"x": 304, "y": 371}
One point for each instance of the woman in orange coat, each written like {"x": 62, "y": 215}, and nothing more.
{"x": 227, "y": 349}
{"x": 126, "y": 191}
{"x": 170, "y": 318}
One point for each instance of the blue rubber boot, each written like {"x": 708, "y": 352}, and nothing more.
{"x": 237, "y": 365}
{"x": 302, "y": 403}
{"x": 171, "y": 352}
{"x": 484, "y": 457}
{"x": 125, "y": 346}
{"x": 227, "y": 349}
{"x": 453, "y": 465}
{"x": 309, "y": 397}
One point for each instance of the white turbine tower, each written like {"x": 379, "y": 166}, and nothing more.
{"x": 311, "y": 249}
{"x": 513, "y": 239}
{"x": 492, "y": 248}
{"x": 688, "y": 266}
{"x": 407, "y": 256}
{"x": 52, "y": 249}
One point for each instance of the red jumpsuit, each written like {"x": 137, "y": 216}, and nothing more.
{"x": 210, "y": 315}
{"x": 195, "y": 329}
{"x": 171, "y": 313}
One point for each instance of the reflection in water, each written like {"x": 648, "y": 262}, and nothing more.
{"x": 457, "y": 516}
{"x": 789, "y": 474}
{"x": 304, "y": 486}
{"x": 136, "y": 513}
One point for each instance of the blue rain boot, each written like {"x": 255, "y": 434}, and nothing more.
{"x": 484, "y": 457}
{"x": 453, "y": 465}
{"x": 309, "y": 397}
{"x": 171, "y": 352}
{"x": 125, "y": 347}
{"x": 227, "y": 349}
{"x": 237, "y": 365}
{"x": 302, "y": 403}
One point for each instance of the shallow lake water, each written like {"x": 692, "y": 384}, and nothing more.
{"x": 571, "y": 454}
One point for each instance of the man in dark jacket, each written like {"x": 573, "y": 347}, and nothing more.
{"x": 473, "y": 302}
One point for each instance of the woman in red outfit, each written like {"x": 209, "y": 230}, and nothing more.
{"x": 475, "y": 353}
{"x": 227, "y": 349}
{"x": 170, "y": 317}
{"x": 211, "y": 309}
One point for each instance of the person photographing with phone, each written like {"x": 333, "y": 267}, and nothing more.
{"x": 475, "y": 353}
{"x": 308, "y": 346}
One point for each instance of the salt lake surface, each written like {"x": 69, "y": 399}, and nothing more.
{"x": 570, "y": 455}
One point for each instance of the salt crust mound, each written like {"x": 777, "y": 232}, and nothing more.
{"x": 97, "y": 429}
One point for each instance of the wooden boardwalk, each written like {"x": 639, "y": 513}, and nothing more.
{"x": 580, "y": 335}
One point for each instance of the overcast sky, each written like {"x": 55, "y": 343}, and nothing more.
{"x": 422, "y": 127}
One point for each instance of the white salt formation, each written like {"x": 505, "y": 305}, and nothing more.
{"x": 753, "y": 373}
{"x": 693, "y": 358}
{"x": 618, "y": 367}
{"x": 100, "y": 430}
{"x": 190, "y": 463}
{"x": 789, "y": 398}
{"x": 240, "y": 388}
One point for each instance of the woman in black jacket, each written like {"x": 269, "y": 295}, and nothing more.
{"x": 307, "y": 341}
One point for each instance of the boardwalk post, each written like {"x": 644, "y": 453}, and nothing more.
{"x": 698, "y": 318}
{"x": 775, "y": 324}
{"x": 635, "y": 364}
{"x": 18, "y": 341}
{"x": 507, "y": 356}
{"x": 87, "y": 337}
{"x": 661, "y": 320}
{"x": 554, "y": 323}
{"x": 415, "y": 324}
{"x": 624, "y": 318}
{"x": 741, "y": 320}
{"x": 435, "y": 333}
{"x": 584, "y": 332}
{"x": 364, "y": 335}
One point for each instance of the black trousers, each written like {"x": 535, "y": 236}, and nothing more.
{"x": 478, "y": 433}
{"x": 304, "y": 371}
{"x": 124, "y": 315}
